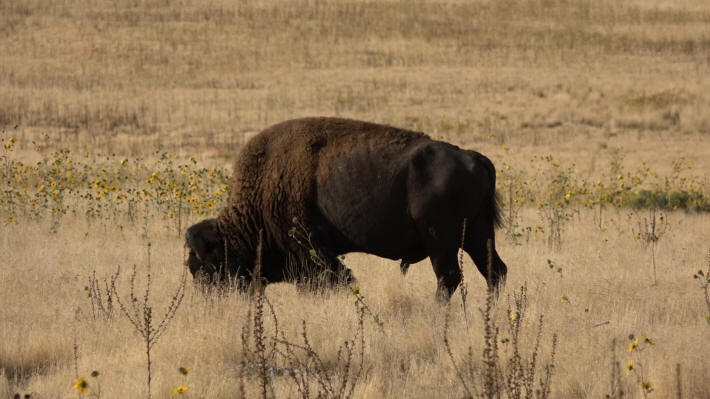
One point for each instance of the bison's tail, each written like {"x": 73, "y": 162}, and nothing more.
{"x": 491, "y": 204}
{"x": 494, "y": 204}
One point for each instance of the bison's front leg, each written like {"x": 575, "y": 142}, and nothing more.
{"x": 338, "y": 272}
{"x": 319, "y": 269}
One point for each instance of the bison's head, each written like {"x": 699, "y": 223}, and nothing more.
{"x": 209, "y": 253}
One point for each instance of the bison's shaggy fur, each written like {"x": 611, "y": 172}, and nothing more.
{"x": 351, "y": 186}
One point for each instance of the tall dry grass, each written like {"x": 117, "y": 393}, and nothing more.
{"x": 604, "y": 292}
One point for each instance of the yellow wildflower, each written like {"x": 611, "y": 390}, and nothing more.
{"x": 184, "y": 370}
{"x": 81, "y": 385}
{"x": 180, "y": 389}
{"x": 355, "y": 290}
{"x": 647, "y": 340}
{"x": 647, "y": 386}
{"x": 629, "y": 367}
{"x": 633, "y": 345}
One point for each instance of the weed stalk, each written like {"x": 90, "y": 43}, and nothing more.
{"x": 140, "y": 313}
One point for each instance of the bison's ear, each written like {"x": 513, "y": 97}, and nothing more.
{"x": 204, "y": 239}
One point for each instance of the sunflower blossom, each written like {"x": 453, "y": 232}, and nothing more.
{"x": 81, "y": 385}
{"x": 180, "y": 389}
{"x": 629, "y": 367}
{"x": 633, "y": 345}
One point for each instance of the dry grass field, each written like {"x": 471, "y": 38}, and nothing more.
{"x": 119, "y": 121}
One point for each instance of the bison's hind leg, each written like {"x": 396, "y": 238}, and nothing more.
{"x": 479, "y": 243}
{"x": 447, "y": 271}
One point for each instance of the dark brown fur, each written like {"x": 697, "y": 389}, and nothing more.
{"x": 304, "y": 168}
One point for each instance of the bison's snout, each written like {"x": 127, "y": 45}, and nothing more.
{"x": 206, "y": 252}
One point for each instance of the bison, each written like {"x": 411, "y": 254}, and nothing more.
{"x": 350, "y": 186}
